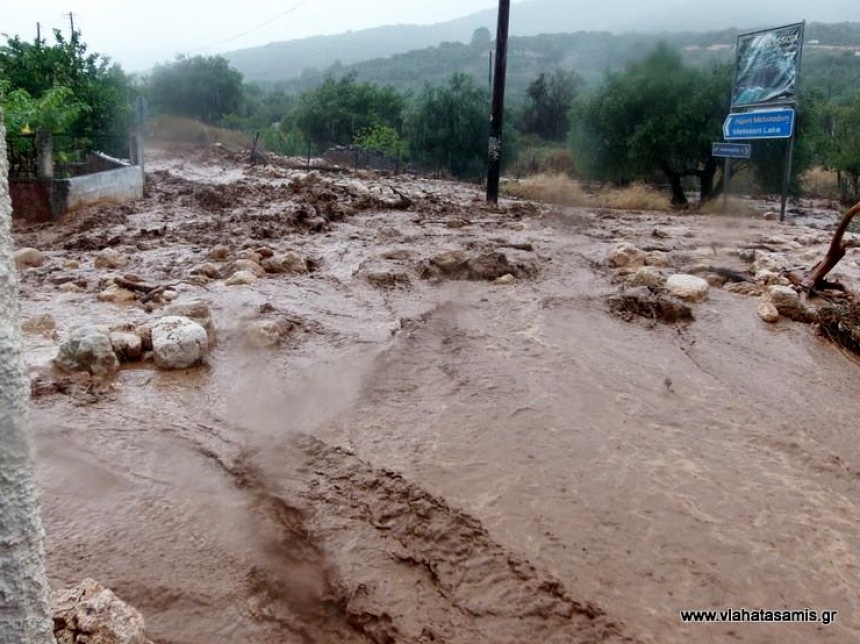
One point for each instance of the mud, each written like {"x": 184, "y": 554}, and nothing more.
{"x": 439, "y": 456}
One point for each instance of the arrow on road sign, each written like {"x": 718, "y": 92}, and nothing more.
{"x": 731, "y": 150}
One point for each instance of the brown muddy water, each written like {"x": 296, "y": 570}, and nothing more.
{"x": 427, "y": 460}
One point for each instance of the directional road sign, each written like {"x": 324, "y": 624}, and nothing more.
{"x": 775, "y": 123}
{"x": 731, "y": 150}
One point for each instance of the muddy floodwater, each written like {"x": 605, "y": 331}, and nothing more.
{"x": 426, "y": 454}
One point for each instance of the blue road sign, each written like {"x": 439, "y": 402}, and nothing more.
{"x": 776, "y": 123}
{"x": 731, "y": 150}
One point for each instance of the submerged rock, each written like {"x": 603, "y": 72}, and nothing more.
{"x": 110, "y": 258}
{"x": 88, "y": 348}
{"x": 178, "y": 342}
{"x": 626, "y": 255}
{"x": 28, "y": 258}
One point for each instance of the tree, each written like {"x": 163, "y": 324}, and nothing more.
{"x": 380, "y": 138}
{"x": 549, "y": 98}
{"x": 482, "y": 39}
{"x": 657, "y": 116}
{"x": 91, "y": 78}
{"x": 339, "y": 109}
{"x": 845, "y": 154}
{"x": 448, "y": 127}
{"x": 200, "y": 87}
{"x": 24, "y": 611}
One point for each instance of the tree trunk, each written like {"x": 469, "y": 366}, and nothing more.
{"x": 679, "y": 199}
{"x": 834, "y": 255}
{"x": 24, "y": 610}
{"x": 706, "y": 180}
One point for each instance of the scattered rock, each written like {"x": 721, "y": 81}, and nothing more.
{"x": 263, "y": 334}
{"x": 219, "y": 252}
{"x": 459, "y": 265}
{"x": 768, "y": 312}
{"x": 178, "y": 342}
{"x": 88, "y": 348}
{"x": 247, "y": 266}
{"x": 128, "y": 346}
{"x": 250, "y": 255}
{"x": 71, "y": 287}
{"x": 241, "y": 278}
{"x": 399, "y": 254}
{"x": 646, "y": 277}
{"x": 787, "y": 302}
{"x": 657, "y": 258}
{"x": 626, "y": 255}
{"x": 489, "y": 266}
{"x": 72, "y": 265}
{"x": 715, "y": 280}
{"x": 117, "y": 295}
{"x": 196, "y": 310}
{"x": 265, "y": 252}
{"x": 770, "y": 215}
{"x": 506, "y": 280}
{"x": 450, "y": 262}
{"x": 743, "y": 288}
{"x": 289, "y": 263}
{"x": 28, "y": 258}
{"x": 770, "y": 262}
{"x": 649, "y": 302}
{"x": 44, "y": 324}
{"x": 90, "y": 613}
{"x": 747, "y": 254}
{"x": 168, "y": 295}
{"x": 207, "y": 269}
{"x": 688, "y": 287}
{"x": 387, "y": 280}
{"x": 110, "y": 258}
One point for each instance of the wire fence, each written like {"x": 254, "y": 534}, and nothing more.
{"x": 70, "y": 153}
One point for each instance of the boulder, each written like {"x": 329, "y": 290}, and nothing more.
{"x": 246, "y": 265}
{"x": 110, "y": 258}
{"x": 178, "y": 342}
{"x": 72, "y": 265}
{"x": 117, "y": 295}
{"x": 688, "y": 287}
{"x": 250, "y": 255}
{"x": 196, "y": 310}
{"x": 128, "y": 346}
{"x": 787, "y": 302}
{"x": 88, "y": 348}
{"x": 768, "y": 312}
{"x": 450, "y": 261}
{"x": 70, "y": 287}
{"x": 288, "y": 263}
{"x": 28, "y": 258}
{"x": 657, "y": 258}
{"x": 91, "y": 613}
{"x": 646, "y": 277}
{"x": 263, "y": 334}
{"x": 207, "y": 269}
{"x": 626, "y": 255}
{"x": 241, "y": 278}
{"x": 219, "y": 252}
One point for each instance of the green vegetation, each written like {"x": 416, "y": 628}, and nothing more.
{"x": 63, "y": 89}
{"x": 200, "y": 87}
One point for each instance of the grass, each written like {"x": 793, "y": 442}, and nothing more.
{"x": 560, "y": 189}
{"x": 551, "y": 188}
{"x": 177, "y": 131}
{"x": 821, "y": 183}
{"x": 636, "y": 196}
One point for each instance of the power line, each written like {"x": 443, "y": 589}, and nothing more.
{"x": 252, "y": 29}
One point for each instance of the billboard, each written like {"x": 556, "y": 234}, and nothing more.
{"x": 767, "y": 66}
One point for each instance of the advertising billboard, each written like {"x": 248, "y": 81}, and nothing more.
{"x": 767, "y": 68}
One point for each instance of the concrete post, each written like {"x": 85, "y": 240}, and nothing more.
{"x": 45, "y": 155}
{"x": 24, "y": 608}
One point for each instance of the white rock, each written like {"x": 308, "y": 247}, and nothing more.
{"x": 241, "y": 278}
{"x": 506, "y": 280}
{"x": 250, "y": 255}
{"x": 770, "y": 262}
{"x": 197, "y": 310}
{"x": 28, "y": 258}
{"x": 88, "y": 348}
{"x": 784, "y": 296}
{"x": 70, "y": 287}
{"x": 688, "y": 287}
{"x": 178, "y": 342}
{"x": 248, "y": 266}
{"x": 626, "y": 255}
{"x": 110, "y": 258}
{"x": 768, "y": 312}
{"x": 72, "y": 265}
{"x": 89, "y": 612}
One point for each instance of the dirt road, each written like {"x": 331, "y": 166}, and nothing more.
{"x": 426, "y": 459}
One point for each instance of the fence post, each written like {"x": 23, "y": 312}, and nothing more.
{"x": 44, "y": 155}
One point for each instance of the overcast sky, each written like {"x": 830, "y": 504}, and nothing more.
{"x": 140, "y": 33}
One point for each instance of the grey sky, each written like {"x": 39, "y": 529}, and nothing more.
{"x": 140, "y": 33}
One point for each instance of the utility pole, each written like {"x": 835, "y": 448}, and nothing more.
{"x": 38, "y": 32}
{"x": 495, "y": 147}
{"x": 72, "y": 22}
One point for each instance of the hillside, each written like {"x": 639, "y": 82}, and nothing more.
{"x": 830, "y": 65}
{"x": 282, "y": 61}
